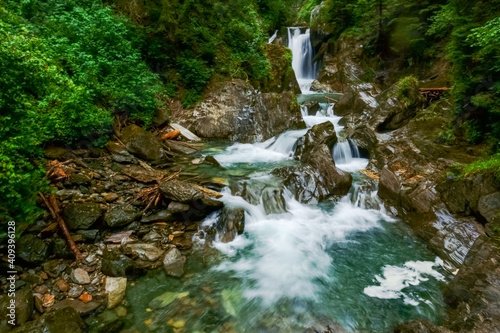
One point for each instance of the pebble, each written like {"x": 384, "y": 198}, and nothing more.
{"x": 80, "y": 276}
{"x": 62, "y": 285}
{"x": 75, "y": 291}
{"x": 41, "y": 289}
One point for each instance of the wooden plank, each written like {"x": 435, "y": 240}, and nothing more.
{"x": 185, "y": 132}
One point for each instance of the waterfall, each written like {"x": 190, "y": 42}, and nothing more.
{"x": 303, "y": 53}
{"x": 347, "y": 157}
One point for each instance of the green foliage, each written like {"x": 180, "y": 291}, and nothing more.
{"x": 67, "y": 68}
{"x": 407, "y": 91}
{"x": 304, "y": 14}
{"x": 488, "y": 165}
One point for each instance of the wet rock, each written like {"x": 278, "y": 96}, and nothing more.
{"x": 317, "y": 136}
{"x": 211, "y": 160}
{"x": 173, "y": 262}
{"x": 106, "y": 322}
{"x": 80, "y": 276}
{"x": 282, "y": 77}
{"x": 141, "y": 143}
{"x": 474, "y": 292}
{"x": 141, "y": 174}
{"x": 75, "y": 291}
{"x": 110, "y": 197}
{"x": 81, "y": 308}
{"x": 62, "y": 285}
{"x": 181, "y": 147}
{"x": 489, "y": 206}
{"x": 119, "y": 153}
{"x": 32, "y": 249}
{"x": 88, "y": 235}
{"x": 81, "y": 215}
{"x": 180, "y": 191}
{"x": 350, "y": 103}
{"x": 420, "y": 326}
{"x": 115, "y": 287}
{"x": 116, "y": 264}
{"x": 61, "y": 249}
{"x": 250, "y": 191}
{"x": 177, "y": 207}
{"x": 273, "y": 200}
{"x": 235, "y": 111}
{"x": 389, "y": 188}
{"x": 120, "y": 215}
{"x": 231, "y": 222}
{"x": 25, "y": 304}
{"x": 161, "y": 216}
{"x": 62, "y": 320}
{"x": 312, "y": 107}
{"x": 147, "y": 252}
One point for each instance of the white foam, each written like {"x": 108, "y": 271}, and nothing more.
{"x": 288, "y": 253}
{"x": 394, "y": 280}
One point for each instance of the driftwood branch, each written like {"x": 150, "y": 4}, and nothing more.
{"x": 53, "y": 207}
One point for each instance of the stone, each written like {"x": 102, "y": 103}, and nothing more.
{"x": 161, "y": 216}
{"x": 32, "y": 249}
{"x": 141, "y": 143}
{"x": 75, "y": 291}
{"x": 173, "y": 262}
{"x": 83, "y": 309}
{"x": 389, "y": 188}
{"x": 115, "y": 287}
{"x": 231, "y": 222}
{"x": 312, "y": 107}
{"x": 119, "y": 153}
{"x": 177, "y": 207}
{"x": 349, "y": 103}
{"x": 80, "y": 276}
{"x": 61, "y": 249}
{"x": 62, "y": 285}
{"x": 110, "y": 197}
{"x": 211, "y": 160}
{"x": 318, "y": 135}
{"x": 144, "y": 251}
{"x": 25, "y": 304}
{"x": 489, "y": 206}
{"x": 116, "y": 264}
{"x": 54, "y": 268}
{"x": 120, "y": 215}
{"x": 181, "y": 191}
{"x": 88, "y": 235}
{"x": 234, "y": 111}
{"x": 62, "y": 320}
{"x": 81, "y": 215}
{"x": 273, "y": 200}
{"x": 180, "y": 147}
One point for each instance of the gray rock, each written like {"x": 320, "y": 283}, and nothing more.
{"x": 161, "y": 216}
{"x": 115, "y": 287}
{"x": 211, "y": 160}
{"x": 489, "y": 206}
{"x": 177, "y": 207}
{"x": 75, "y": 291}
{"x": 54, "y": 268}
{"x": 318, "y": 135}
{"x": 273, "y": 200}
{"x": 173, "y": 262}
{"x": 83, "y": 309}
{"x": 349, "y": 103}
{"x": 231, "y": 222}
{"x": 58, "y": 320}
{"x": 312, "y": 107}
{"x": 120, "y": 215}
{"x": 147, "y": 252}
{"x": 80, "y": 276}
{"x": 32, "y": 249}
{"x": 234, "y": 111}
{"x": 25, "y": 304}
{"x": 116, "y": 264}
{"x": 180, "y": 191}
{"x": 81, "y": 215}
{"x": 389, "y": 188}
{"x": 141, "y": 143}
{"x": 420, "y": 326}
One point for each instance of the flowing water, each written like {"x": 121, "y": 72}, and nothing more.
{"x": 344, "y": 262}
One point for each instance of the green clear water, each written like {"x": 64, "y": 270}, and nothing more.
{"x": 289, "y": 272}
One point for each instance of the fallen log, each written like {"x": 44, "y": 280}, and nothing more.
{"x": 53, "y": 207}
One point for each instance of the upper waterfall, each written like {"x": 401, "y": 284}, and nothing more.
{"x": 305, "y": 69}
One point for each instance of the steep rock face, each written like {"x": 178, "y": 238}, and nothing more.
{"x": 248, "y": 111}
{"x": 236, "y": 111}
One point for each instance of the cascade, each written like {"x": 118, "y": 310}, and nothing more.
{"x": 303, "y": 53}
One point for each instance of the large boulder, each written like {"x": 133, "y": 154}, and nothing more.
{"x": 231, "y": 223}
{"x": 282, "y": 78}
{"x": 489, "y": 206}
{"x": 141, "y": 143}
{"x": 173, "y": 262}
{"x": 81, "y": 215}
{"x": 350, "y": 103}
{"x": 318, "y": 135}
{"x": 32, "y": 249}
{"x": 235, "y": 111}
{"x": 181, "y": 191}
{"x": 59, "y": 320}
